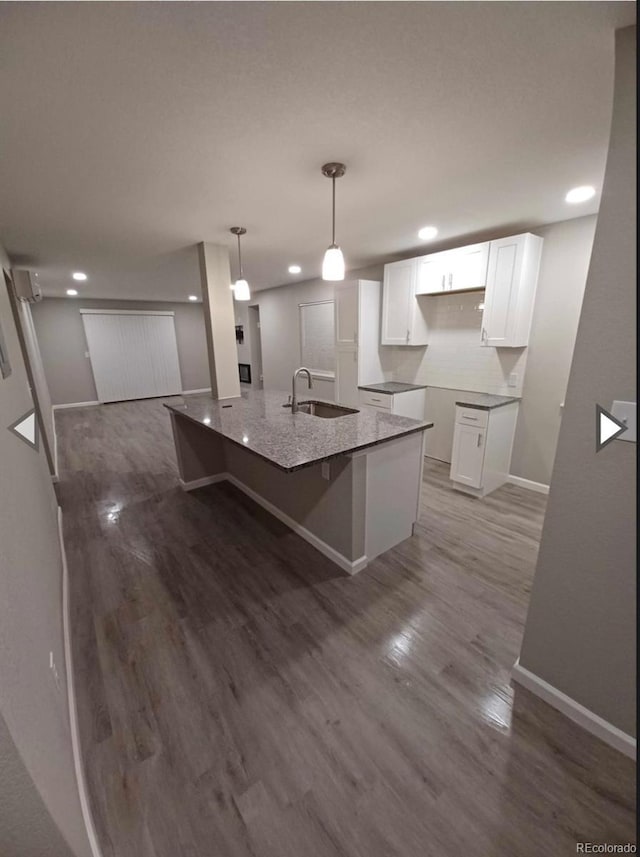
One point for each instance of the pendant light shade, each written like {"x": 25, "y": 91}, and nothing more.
{"x": 333, "y": 263}
{"x": 240, "y": 288}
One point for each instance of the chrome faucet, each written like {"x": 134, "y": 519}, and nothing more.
{"x": 294, "y": 397}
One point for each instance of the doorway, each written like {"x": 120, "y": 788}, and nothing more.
{"x": 256, "y": 346}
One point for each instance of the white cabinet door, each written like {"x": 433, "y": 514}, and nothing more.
{"x": 397, "y": 292}
{"x": 511, "y": 285}
{"x": 468, "y": 267}
{"x": 346, "y": 310}
{"x": 432, "y": 274}
{"x": 346, "y": 392}
{"x": 468, "y": 455}
{"x": 403, "y": 321}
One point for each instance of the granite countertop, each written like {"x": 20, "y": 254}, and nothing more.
{"x": 391, "y": 387}
{"x": 257, "y": 421}
{"x": 485, "y": 401}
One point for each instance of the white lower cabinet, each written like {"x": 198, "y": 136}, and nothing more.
{"x": 468, "y": 455}
{"x": 410, "y": 404}
{"x": 482, "y": 444}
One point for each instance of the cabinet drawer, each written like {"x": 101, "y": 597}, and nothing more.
{"x": 472, "y": 417}
{"x": 376, "y": 400}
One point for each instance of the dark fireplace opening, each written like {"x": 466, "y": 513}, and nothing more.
{"x": 245, "y": 372}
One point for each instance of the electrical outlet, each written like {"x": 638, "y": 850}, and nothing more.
{"x": 54, "y": 671}
{"x": 513, "y": 379}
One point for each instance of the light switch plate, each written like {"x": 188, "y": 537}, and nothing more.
{"x": 513, "y": 379}
{"x": 626, "y": 413}
{"x": 326, "y": 470}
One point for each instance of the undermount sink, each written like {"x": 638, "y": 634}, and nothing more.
{"x": 327, "y": 410}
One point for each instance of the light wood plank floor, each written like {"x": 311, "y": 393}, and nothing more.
{"x": 239, "y": 696}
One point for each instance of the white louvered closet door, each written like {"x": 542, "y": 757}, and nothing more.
{"x": 134, "y": 355}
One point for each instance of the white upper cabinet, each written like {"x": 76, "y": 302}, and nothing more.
{"x": 432, "y": 274}
{"x": 512, "y": 278}
{"x": 403, "y": 321}
{"x": 469, "y": 267}
{"x": 462, "y": 269}
{"x": 507, "y": 269}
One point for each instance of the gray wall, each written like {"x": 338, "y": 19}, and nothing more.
{"x": 580, "y": 634}
{"x": 60, "y": 332}
{"x": 561, "y": 284}
{"x": 280, "y": 329}
{"x": 26, "y": 828}
{"x": 34, "y": 710}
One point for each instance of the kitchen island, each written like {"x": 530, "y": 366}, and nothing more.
{"x": 349, "y": 485}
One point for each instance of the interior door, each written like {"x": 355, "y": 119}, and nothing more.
{"x": 468, "y": 455}
{"x": 134, "y": 355}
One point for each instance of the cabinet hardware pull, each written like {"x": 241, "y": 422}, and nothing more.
{"x": 450, "y": 281}
{"x": 479, "y": 440}
{"x": 443, "y": 281}
{"x": 375, "y": 400}
{"x": 408, "y": 332}
{"x": 475, "y": 419}
{"x": 484, "y": 335}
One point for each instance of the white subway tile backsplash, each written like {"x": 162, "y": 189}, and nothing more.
{"x": 454, "y": 358}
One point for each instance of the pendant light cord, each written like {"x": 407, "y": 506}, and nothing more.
{"x": 333, "y": 213}
{"x": 239, "y": 257}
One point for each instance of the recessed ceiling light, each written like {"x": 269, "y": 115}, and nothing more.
{"x": 427, "y": 233}
{"x": 580, "y": 194}
{"x": 193, "y": 297}
{"x": 294, "y": 269}
{"x": 79, "y": 276}
{"x": 72, "y": 292}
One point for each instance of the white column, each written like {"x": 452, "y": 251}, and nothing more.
{"x": 217, "y": 298}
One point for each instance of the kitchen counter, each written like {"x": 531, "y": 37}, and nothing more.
{"x": 485, "y": 401}
{"x": 391, "y": 387}
{"x": 350, "y": 486}
{"x": 257, "y": 422}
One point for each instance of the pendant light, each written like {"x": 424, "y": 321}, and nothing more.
{"x": 241, "y": 286}
{"x": 333, "y": 262}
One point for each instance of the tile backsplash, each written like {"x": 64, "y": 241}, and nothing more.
{"x": 454, "y": 358}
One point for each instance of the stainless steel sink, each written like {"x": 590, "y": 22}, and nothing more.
{"x": 326, "y": 410}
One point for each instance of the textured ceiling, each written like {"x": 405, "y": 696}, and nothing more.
{"x": 131, "y": 131}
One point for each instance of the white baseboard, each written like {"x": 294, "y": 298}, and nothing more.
{"x": 575, "y": 711}
{"x": 200, "y": 483}
{"x": 540, "y": 487}
{"x": 350, "y": 566}
{"x": 74, "y": 405}
{"x": 193, "y": 392}
{"x": 73, "y": 711}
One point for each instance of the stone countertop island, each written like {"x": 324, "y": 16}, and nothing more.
{"x": 349, "y": 485}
